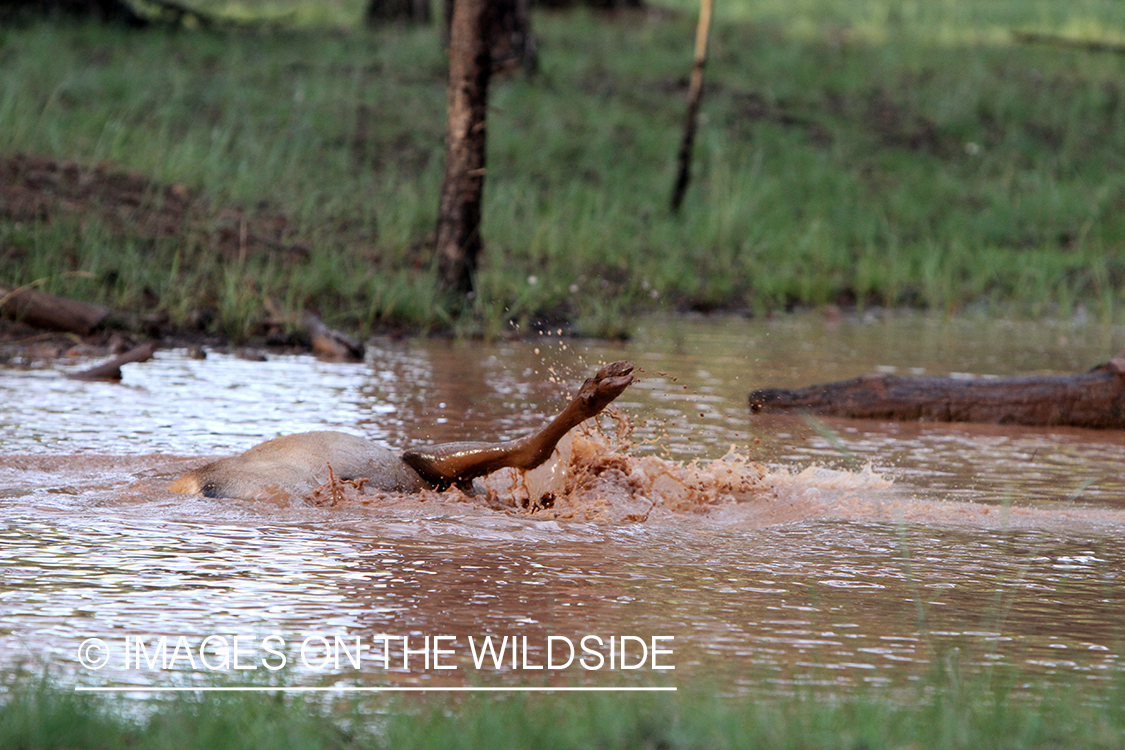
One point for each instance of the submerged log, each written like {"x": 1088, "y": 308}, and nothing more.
{"x": 1091, "y": 399}
{"x": 111, "y": 370}
{"x": 330, "y": 344}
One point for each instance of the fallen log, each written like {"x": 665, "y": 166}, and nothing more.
{"x": 42, "y": 310}
{"x": 111, "y": 370}
{"x": 1091, "y": 399}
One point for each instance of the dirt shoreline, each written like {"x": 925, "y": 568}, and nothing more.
{"x": 40, "y": 190}
{"x": 25, "y": 346}
{"x": 132, "y": 208}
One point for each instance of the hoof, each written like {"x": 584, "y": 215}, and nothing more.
{"x": 607, "y": 384}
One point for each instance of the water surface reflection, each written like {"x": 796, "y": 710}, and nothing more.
{"x": 91, "y": 546}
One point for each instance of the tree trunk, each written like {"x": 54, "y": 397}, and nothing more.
{"x": 512, "y": 43}
{"x": 470, "y": 65}
{"x": 1091, "y": 399}
{"x": 695, "y": 94}
{"x": 381, "y": 12}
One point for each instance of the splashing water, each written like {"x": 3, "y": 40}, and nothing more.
{"x": 774, "y": 562}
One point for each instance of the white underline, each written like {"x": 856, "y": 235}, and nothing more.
{"x": 365, "y": 689}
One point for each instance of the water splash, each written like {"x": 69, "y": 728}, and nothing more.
{"x": 595, "y": 476}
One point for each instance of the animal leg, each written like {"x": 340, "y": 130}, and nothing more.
{"x": 460, "y": 463}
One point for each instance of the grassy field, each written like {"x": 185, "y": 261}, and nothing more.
{"x": 867, "y": 153}
{"x": 940, "y": 714}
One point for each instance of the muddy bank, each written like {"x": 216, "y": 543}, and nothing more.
{"x": 26, "y": 346}
{"x": 35, "y": 188}
{"x": 140, "y": 212}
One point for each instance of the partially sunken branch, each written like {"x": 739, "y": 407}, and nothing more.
{"x": 1090, "y": 399}
{"x": 111, "y": 370}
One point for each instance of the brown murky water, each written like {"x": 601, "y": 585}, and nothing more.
{"x": 764, "y": 552}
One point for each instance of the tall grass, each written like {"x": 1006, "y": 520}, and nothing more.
{"x": 939, "y": 713}
{"x": 869, "y": 153}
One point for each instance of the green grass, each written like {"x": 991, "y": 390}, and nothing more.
{"x": 937, "y": 713}
{"x": 892, "y": 153}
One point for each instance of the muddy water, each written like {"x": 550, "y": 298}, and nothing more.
{"x": 836, "y": 552}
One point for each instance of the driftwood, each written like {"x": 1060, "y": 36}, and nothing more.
{"x": 1090, "y": 399}
{"x": 328, "y": 343}
{"x": 111, "y": 370}
{"x": 42, "y": 310}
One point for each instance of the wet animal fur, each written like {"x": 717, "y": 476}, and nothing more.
{"x": 298, "y": 464}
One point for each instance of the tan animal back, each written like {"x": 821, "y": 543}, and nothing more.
{"x": 298, "y": 464}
